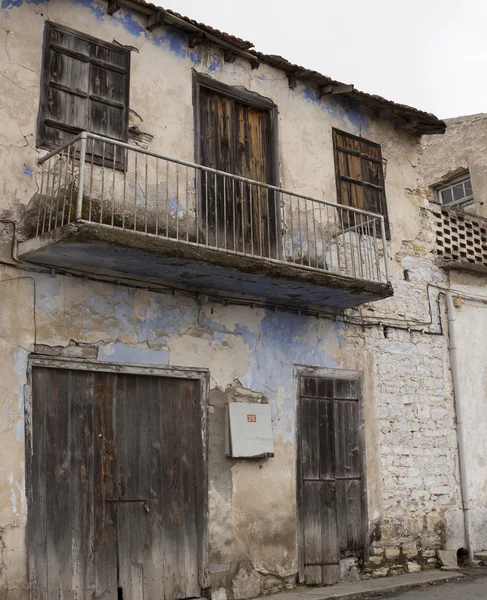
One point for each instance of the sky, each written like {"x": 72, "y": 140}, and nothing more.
{"x": 430, "y": 54}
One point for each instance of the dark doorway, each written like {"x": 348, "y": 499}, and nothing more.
{"x": 116, "y": 486}
{"x": 331, "y": 476}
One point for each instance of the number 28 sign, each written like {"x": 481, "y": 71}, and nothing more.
{"x": 252, "y": 418}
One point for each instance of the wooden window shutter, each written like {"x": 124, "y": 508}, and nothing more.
{"x": 359, "y": 175}
{"x": 84, "y": 87}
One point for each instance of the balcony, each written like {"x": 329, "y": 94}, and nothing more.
{"x": 113, "y": 208}
{"x": 461, "y": 240}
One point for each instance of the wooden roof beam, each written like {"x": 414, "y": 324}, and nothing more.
{"x": 196, "y": 38}
{"x": 156, "y": 19}
{"x": 112, "y": 7}
{"x": 329, "y": 90}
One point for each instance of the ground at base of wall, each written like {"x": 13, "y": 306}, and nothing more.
{"x": 380, "y": 587}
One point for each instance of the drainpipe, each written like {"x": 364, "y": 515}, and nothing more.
{"x": 460, "y": 427}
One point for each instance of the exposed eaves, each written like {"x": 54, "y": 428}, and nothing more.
{"x": 405, "y": 117}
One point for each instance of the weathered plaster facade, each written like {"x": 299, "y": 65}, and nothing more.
{"x": 250, "y": 351}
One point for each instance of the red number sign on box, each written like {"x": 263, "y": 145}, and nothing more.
{"x": 252, "y": 418}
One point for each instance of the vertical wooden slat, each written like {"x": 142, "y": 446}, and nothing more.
{"x": 147, "y": 516}
{"x": 37, "y": 522}
{"x": 58, "y": 466}
{"x": 82, "y": 484}
{"x": 192, "y": 475}
{"x": 128, "y": 431}
{"x": 105, "y": 486}
{"x": 310, "y": 444}
{"x": 173, "y": 500}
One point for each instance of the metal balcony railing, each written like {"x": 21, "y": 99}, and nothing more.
{"x": 118, "y": 185}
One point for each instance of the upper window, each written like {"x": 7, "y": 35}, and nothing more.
{"x": 84, "y": 87}
{"x": 359, "y": 174}
{"x": 457, "y": 193}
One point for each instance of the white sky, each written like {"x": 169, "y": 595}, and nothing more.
{"x": 430, "y": 54}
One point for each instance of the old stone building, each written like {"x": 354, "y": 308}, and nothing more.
{"x": 454, "y": 173}
{"x": 224, "y": 341}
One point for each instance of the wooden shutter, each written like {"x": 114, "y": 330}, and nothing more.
{"x": 359, "y": 175}
{"x": 84, "y": 87}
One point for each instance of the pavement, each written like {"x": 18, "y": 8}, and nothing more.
{"x": 461, "y": 589}
{"x": 414, "y": 586}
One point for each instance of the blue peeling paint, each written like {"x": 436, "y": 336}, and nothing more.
{"x": 261, "y": 347}
{"x": 17, "y": 3}
{"x": 281, "y": 341}
{"x": 349, "y": 117}
{"x": 176, "y": 207}
{"x": 177, "y": 43}
{"x": 340, "y": 331}
{"x": 48, "y": 289}
{"x": 96, "y": 9}
{"x": 21, "y": 357}
{"x": 194, "y": 57}
{"x": 27, "y": 171}
{"x": 129, "y": 23}
{"x": 11, "y": 3}
{"x": 215, "y": 64}
{"x": 122, "y": 353}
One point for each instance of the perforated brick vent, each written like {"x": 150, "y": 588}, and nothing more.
{"x": 461, "y": 237}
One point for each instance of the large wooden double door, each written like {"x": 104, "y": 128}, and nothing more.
{"x": 116, "y": 486}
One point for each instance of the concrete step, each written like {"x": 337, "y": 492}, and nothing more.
{"x": 482, "y": 556}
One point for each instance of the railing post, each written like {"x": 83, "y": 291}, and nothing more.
{"x": 82, "y": 162}
{"x": 385, "y": 248}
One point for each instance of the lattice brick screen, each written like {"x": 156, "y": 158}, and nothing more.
{"x": 461, "y": 237}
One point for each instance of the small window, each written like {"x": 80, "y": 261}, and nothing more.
{"x": 84, "y": 87}
{"x": 359, "y": 174}
{"x": 457, "y": 193}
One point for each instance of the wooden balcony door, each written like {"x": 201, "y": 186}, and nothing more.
{"x": 237, "y": 137}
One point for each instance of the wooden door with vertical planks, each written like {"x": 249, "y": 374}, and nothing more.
{"x": 116, "y": 486}
{"x": 237, "y": 138}
{"x": 331, "y": 477}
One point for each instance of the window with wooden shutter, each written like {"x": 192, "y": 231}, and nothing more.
{"x": 84, "y": 87}
{"x": 359, "y": 175}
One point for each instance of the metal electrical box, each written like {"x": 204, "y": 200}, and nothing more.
{"x": 249, "y": 430}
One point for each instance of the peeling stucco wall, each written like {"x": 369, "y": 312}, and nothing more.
{"x": 249, "y": 351}
{"x": 462, "y": 147}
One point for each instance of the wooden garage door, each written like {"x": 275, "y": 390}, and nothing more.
{"x": 331, "y": 477}
{"x": 116, "y": 482}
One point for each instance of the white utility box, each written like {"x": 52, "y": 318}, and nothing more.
{"x": 249, "y": 430}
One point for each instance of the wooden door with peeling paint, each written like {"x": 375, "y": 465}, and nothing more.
{"x": 331, "y": 477}
{"x": 116, "y": 485}
{"x": 237, "y": 138}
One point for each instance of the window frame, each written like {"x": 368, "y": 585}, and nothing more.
{"x": 463, "y": 204}
{"x": 363, "y": 157}
{"x": 47, "y": 49}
